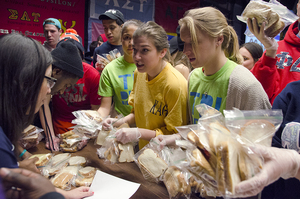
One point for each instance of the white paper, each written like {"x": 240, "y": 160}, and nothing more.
{"x": 109, "y": 186}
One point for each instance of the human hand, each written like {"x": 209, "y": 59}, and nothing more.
{"x": 126, "y": 135}
{"x": 278, "y": 163}
{"x": 259, "y": 33}
{"x": 109, "y": 123}
{"x": 30, "y": 164}
{"x": 167, "y": 140}
{"x": 55, "y": 146}
{"x": 22, "y": 183}
{"x": 80, "y": 192}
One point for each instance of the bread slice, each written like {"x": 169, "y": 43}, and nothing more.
{"x": 229, "y": 153}
{"x": 77, "y": 160}
{"x": 59, "y": 158}
{"x": 126, "y": 152}
{"x": 87, "y": 172}
{"x": 150, "y": 161}
{"x": 262, "y": 13}
{"x": 101, "y": 137}
{"x": 28, "y": 130}
{"x": 43, "y": 159}
{"x": 202, "y": 164}
{"x": 112, "y": 154}
{"x": 63, "y": 179}
{"x": 86, "y": 182}
{"x": 93, "y": 115}
{"x": 67, "y": 134}
{"x": 176, "y": 183}
{"x": 258, "y": 131}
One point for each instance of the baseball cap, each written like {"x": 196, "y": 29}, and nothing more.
{"x": 53, "y": 21}
{"x": 112, "y": 14}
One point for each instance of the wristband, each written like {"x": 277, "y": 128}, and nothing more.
{"x": 24, "y": 151}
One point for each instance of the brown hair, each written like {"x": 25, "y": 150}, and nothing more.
{"x": 214, "y": 23}
{"x": 157, "y": 34}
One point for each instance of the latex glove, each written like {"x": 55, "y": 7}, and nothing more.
{"x": 109, "y": 123}
{"x": 55, "y": 146}
{"x": 167, "y": 139}
{"x": 32, "y": 185}
{"x": 278, "y": 163}
{"x": 259, "y": 33}
{"x": 78, "y": 193}
{"x": 126, "y": 135}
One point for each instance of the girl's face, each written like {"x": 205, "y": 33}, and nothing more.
{"x": 206, "y": 47}
{"x": 248, "y": 59}
{"x": 44, "y": 91}
{"x": 146, "y": 57}
{"x": 127, "y": 40}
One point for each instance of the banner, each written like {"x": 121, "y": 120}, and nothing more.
{"x": 168, "y": 12}
{"x": 27, "y": 16}
{"x": 132, "y": 9}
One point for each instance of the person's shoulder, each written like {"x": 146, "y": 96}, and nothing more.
{"x": 242, "y": 77}
{"x": 89, "y": 70}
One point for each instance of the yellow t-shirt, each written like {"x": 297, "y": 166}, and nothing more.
{"x": 159, "y": 104}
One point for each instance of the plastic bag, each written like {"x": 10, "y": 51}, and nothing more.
{"x": 65, "y": 178}
{"x": 285, "y": 15}
{"x": 103, "y": 61}
{"x": 257, "y": 126}
{"x": 88, "y": 122}
{"x": 152, "y": 161}
{"x": 31, "y": 137}
{"x": 114, "y": 151}
{"x": 56, "y": 164}
{"x": 72, "y": 141}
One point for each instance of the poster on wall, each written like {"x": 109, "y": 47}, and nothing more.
{"x": 168, "y": 12}
{"x": 27, "y": 16}
{"x": 142, "y": 10}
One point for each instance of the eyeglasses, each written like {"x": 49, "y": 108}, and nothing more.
{"x": 50, "y": 81}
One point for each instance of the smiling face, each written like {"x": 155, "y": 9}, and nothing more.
{"x": 205, "y": 48}
{"x": 52, "y": 34}
{"x": 112, "y": 31}
{"x": 44, "y": 91}
{"x": 248, "y": 59}
{"x": 146, "y": 57}
{"x": 127, "y": 42}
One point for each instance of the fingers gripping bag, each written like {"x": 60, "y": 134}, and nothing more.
{"x": 114, "y": 151}
{"x": 220, "y": 160}
{"x": 257, "y": 126}
{"x": 275, "y": 15}
{"x": 152, "y": 161}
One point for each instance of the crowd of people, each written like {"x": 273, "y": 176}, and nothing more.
{"x": 155, "y": 84}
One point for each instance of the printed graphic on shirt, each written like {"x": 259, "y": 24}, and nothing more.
{"x": 74, "y": 94}
{"x": 290, "y": 136}
{"x": 285, "y": 60}
{"x": 159, "y": 109}
{"x": 204, "y": 99}
{"x": 125, "y": 93}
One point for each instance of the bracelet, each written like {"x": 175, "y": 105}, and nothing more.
{"x": 24, "y": 151}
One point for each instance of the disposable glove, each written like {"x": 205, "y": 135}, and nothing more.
{"x": 126, "y": 135}
{"x": 278, "y": 163}
{"x": 109, "y": 123}
{"x": 167, "y": 139}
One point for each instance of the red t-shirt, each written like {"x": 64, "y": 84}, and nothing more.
{"x": 78, "y": 97}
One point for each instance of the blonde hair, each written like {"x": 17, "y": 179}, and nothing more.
{"x": 214, "y": 23}
{"x": 134, "y": 22}
{"x": 158, "y": 35}
{"x": 181, "y": 58}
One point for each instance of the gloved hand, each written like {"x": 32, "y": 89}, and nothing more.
{"x": 109, "y": 123}
{"x": 259, "y": 33}
{"x": 126, "y": 135}
{"x": 167, "y": 139}
{"x": 278, "y": 163}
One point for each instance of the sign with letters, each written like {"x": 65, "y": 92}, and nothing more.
{"x": 27, "y": 16}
